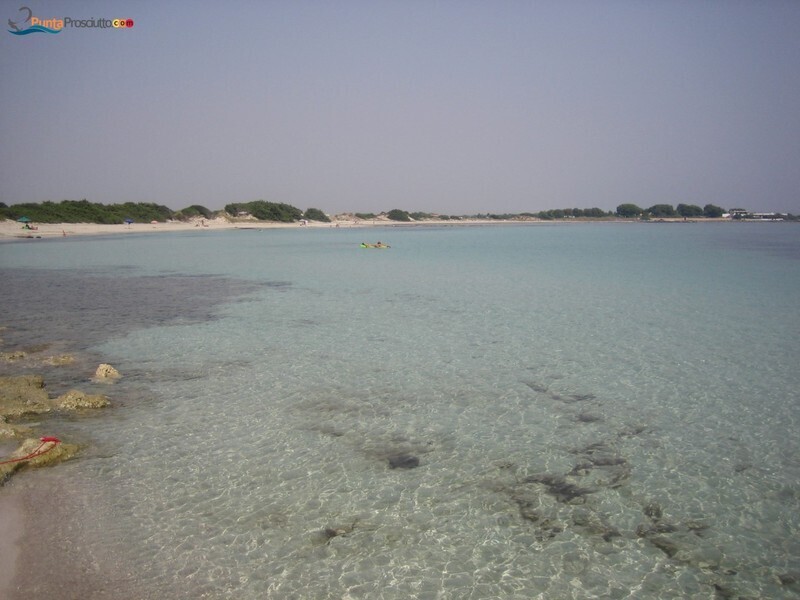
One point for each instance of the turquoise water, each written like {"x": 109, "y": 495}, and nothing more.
{"x": 597, "y": 411}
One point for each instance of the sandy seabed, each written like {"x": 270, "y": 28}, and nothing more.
{"x": 13, "y": 510}
{"x": 18, "y": 517}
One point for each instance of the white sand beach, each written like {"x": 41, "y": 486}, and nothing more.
{"x": 10, "y": 230}
{"x": 13, "y": 229}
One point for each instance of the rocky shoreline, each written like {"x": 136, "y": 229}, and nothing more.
{"x": 26, "y": 434}
{"x": 24, "y": 397}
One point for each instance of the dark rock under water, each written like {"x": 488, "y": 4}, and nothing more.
{"x": 403, "y": 461}
{"x": 559, "y": 487}
{"x": 114, "y": 305}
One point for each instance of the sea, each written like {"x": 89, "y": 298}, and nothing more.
{"x": 554, "y": 411}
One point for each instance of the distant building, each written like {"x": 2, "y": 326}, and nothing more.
{"x": 742, "y": 214}
{"x": 736, "y": 213}
{"x": 772, "y": 216}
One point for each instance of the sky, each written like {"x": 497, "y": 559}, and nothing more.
{"x": 452, "y": 107}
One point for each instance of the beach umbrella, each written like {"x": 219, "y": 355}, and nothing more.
{"x": 128, "y": 222}
{"x": 24, "y": 220}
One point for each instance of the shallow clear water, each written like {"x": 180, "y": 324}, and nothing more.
{"x": 600, "y": 410}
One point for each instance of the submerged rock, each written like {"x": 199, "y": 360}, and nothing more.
{"x": 558, "y": 487}
{"x": 653, "y": 511}
{"x": 528, "y": 510}
{"x": 59, "y": 360}
{"x": 668, "y": 547}
{"x": 600, "y": 457}
{"x": 23, "y": 394}
{"x": 632, "y": 431}
{"x": 531, "y": 510}
{"x": 106, "y": 373}
{"x": 26, "y": 395}
{"x": 328, "y": 533}
{"x": 52, "y": 453}
{"x": 403, "y": 461}
{"x": 586, "y": 417}
{"x": 656, "y": 529}
{"x": 536, "y": 387}
{"x": 593, "y": 523}
{"x": 75, "y": 399}
{"x": 331, "y": 532}
{"x": 697, "y": 528}
{"x": 6, "y": 430}
{"x": 9, "y": 431}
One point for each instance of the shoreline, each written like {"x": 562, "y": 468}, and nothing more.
{"x": 12, "y": 530}
{"x": 13, "y": 231}
{"x": 26, "y": 413}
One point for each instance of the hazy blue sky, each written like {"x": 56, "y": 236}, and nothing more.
{"x": 445, "y": 106}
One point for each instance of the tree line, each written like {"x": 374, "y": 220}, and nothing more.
{"x": 661, "y": 211}
{"x": 623, "y": 210}
{"x": 83, "y": 211}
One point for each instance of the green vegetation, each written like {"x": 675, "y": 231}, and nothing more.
{"x": 569, "y": 213}
{"x": 193, "y": 211}
{"x": 689, "y": 210}
{"x": 629, "y": 210}
{"x": 315, "y": 214}
{"x": 712, "y": 212}
{"x": 398, "y": 215}
{"x": 83, "y": 211}
{"x": 660, "y": 211}
{"x": 594, "y": 213}
{"x": 265, "y": 211}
